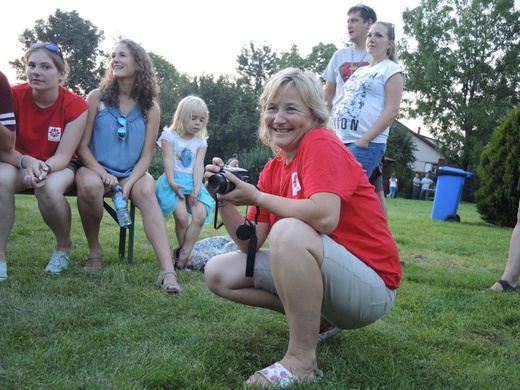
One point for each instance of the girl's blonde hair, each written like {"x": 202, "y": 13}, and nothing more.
{"x": 310, "y": 90}
{"x": 184, "y": 112}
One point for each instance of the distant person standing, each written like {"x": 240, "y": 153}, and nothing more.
{"x": 233, "y": 161}
{"x": 425, "y": 186}
{"x": 416, "y": 186}
{"x": 346, "y": 60}
{"x": 393, "y": 185}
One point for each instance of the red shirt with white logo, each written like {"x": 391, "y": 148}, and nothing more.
{"x": 39, "y": 130}
{"x": 324, "y": 164}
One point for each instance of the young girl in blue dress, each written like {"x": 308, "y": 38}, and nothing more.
{"x": 180, "y": 188}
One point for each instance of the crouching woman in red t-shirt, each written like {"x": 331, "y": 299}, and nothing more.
{"x": 332, "y": 262}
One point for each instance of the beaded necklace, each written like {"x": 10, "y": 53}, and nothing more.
{"x": 353, "y": 67}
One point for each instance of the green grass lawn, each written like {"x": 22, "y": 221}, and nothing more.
{"x": 115, "y": 330}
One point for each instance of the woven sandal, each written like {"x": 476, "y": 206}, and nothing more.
{"x": 93, "y": 256}
{"x": 168, "y": 287}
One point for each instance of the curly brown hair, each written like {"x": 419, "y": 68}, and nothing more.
{"x": 145, "y": 89}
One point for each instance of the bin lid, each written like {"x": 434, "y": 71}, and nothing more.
{"x": 453, "y": 172}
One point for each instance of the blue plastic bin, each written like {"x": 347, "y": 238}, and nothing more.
{"x": 450, "y": 182}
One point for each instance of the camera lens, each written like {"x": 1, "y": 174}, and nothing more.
{"x": 219, "y": 184}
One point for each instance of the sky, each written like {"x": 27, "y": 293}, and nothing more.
{"x": 201, "y": 36}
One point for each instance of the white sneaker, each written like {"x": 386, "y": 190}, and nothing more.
{"x": 3, "y": 270}
{"x": 59, "y": 261}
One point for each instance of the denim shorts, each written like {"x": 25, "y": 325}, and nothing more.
{"x": 368, "y": 157}
{"x": 354, "y": 295}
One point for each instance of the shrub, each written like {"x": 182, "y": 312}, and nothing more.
{"x": 499, "y": 171}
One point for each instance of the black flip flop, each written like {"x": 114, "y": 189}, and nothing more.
{"x": 507, "y": 287}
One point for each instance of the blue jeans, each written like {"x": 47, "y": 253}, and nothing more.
{"x": 368, "y": 157}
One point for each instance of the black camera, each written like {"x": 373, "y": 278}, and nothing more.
{"x": 219, "y": 184}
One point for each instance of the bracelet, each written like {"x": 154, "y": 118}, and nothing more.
{"x": 49, "y": 169}
{"x": 222, "y": 203}
{"x": 20, "y": 161}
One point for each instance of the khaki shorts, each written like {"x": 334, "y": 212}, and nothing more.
{"x": 354, "y": 294}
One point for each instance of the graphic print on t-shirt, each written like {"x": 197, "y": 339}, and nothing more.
{"x": 356, "y": 91}
{"x": 54, "y": 134}
{"x": 186, "y": 157}
{"x": 347, "y": 68}
{"x": 296, "y": 186}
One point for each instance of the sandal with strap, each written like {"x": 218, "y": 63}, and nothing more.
{"x": 168, "y": 287}
{"x": 178, "y": 263}
{"x": 93, "y": 256}
{"x": 176, "y": 257}
{"x": 278, "y": 376}
{"x": 507, "y": 287}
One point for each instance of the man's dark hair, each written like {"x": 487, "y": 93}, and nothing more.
{"x": 365, "y": 11}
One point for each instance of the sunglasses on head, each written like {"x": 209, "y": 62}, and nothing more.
{"x": 369, "y": 10}
{"x": 49, "y": 46}
{"x": 121, "y": 131}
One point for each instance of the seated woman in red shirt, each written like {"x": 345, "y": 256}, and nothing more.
{"x": 49, "y": 124}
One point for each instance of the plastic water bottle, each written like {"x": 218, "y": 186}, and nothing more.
{"x": 121, "y": 208}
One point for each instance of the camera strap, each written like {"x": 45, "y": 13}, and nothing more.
{"x": 216, "y": 217}
{"x": 246, "y": 231}
{"x": 251, "y": 248}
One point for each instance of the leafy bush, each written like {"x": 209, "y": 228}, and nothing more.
{"x": 499, "y": 170}
{"x": 254, "y": 161}
{"x": 156, "y": 167}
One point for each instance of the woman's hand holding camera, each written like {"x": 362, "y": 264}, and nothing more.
{"x": 230, "y": 183}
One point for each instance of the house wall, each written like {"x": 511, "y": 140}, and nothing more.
{"x": 426, "y": 157}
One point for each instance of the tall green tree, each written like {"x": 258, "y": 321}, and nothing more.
{"x": 319, "y": 57}
{"x": 315, "y": 62}
{"x": 172, "y": 84}
{"x": 233, "y": 116}
{"x": 291, "y": 59}
{"x": 462, "y": 64}
{"x": 256, "y": 65}
{"x": 79, "y": 41}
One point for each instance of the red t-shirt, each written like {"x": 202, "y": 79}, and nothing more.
{"x": 324, "y": 164}
{"x": 39, "y": 130}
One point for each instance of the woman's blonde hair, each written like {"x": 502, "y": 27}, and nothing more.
{"x": 310, "y": 90}
{"x": 390, "y": 34}
{"x": 184, "y": 112}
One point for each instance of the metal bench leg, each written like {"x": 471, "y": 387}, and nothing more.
{"x": 131, "y": 231}
{"x": 122, "y": 232}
